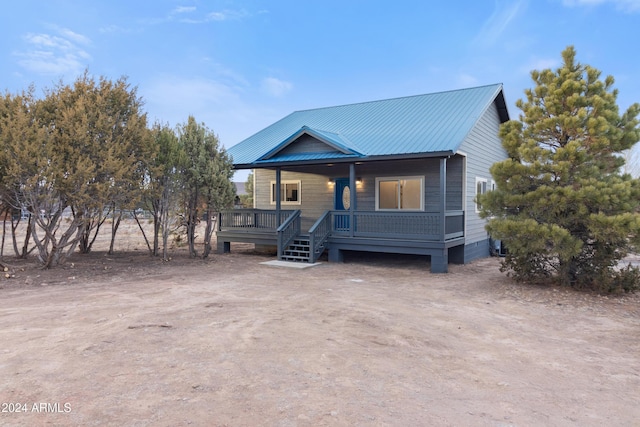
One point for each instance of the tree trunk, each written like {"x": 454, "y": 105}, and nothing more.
{"x": 192, "y": 220}
{"x": 165, "y": 241}
{"x": 191, "y": 235}
{"x": 21, "y": 253}
{"x": 84, "y": 239}
{"x": 51, "y": 250}
{"x": 146, "y": 240}
{"x": 208, "y": 233}
{"x": 4, "y": 232}
{"x": 114, "y": 229}
{"x": 164, "y": 221}
{"x": 88, "y": 238}
{"x": 156, "y": 233}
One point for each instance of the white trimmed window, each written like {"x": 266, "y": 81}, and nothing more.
{"x": 481, "y": 188}
{"x": 400, "y": 193}
{"x": 289, "y": 192}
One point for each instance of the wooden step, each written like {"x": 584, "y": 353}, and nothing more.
{"x": 298, "y": 247}
{"x": 299, "y": 250}
{"x": 295, "y": 258}
{"x": 296, "y": 254}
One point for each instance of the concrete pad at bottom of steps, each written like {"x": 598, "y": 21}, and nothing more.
{"x": 290, "y": 264}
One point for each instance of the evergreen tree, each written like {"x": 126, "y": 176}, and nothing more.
{"x": 79, "y": 149}
{"x": 220, "y": 192}
{"x": 562, "y": 205}
{"x": 163, "y": 188}
{"x": 17, "y": 116}
{"x": 247, "y": 199}
{"x": 42, "y": 176}
{"x": 101, "y": 127}
{"x": 206, "y": 179}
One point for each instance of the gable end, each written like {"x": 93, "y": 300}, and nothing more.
{"x": 306, "y": 143}
{"x": 311, "y": 141}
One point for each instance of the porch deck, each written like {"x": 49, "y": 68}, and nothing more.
{"x": 249, "y": 226}
{"x": 425, "y": 233}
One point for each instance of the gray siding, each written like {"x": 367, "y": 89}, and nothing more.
{"x": 455, "y": 183}
{"x": 427, "y": 168}
{"x": 476, "y": 250}
{"x": 317, "y": 195}
{"x": 483, "y": 148}
{"x": 307, "y": 144}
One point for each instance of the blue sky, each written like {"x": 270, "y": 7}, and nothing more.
{"x": 239, "y": 65}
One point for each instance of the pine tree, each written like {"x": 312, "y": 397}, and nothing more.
{"x": 562, "y": 206}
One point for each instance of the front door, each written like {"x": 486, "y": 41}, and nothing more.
{"x": 342, "y": 202}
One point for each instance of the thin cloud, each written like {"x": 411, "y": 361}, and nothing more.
{"x": 183, "y": 9}
{"x": 73, "y": 36}
{"x": 195, "y": 16}
{"x": 275, "y": 87}
{"x": 114, "y": 29}
{"x": 227, "y": 15}
{"x": 54, "y": 54}
{"x": 217, "y": 16}
{"x": 228, "y": 75}
{"x": 630, "y": 6}
{"x": 493, "y": 28}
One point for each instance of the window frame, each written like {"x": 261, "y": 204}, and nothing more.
{"x": 485, "y": 181}
{"x": 419, "y": 178}
{"x": 272, "y": 195}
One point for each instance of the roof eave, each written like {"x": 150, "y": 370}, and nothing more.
{"x": 378, "y": 158}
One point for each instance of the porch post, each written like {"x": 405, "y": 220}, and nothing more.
{"x": 443, "y": 198}
{"x": 352, "y": 197}
{"x": 278, "y": 195}
{"x": 440, "y": 256}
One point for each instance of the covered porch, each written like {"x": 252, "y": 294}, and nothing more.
{"x": 435, "y": 230}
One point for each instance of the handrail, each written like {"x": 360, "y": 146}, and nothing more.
{"x": 288, "y": 231}
{"x": 398, "y": 225}
{"x": 318, "y": 234}
{"x": 251, "y": 219}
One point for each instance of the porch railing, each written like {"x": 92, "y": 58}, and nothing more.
{"x": 288, "y": 231}
{"x": 251, "y": 220}
{"x": 318, "y": 234}
{"x": 453, "y": 224}
{"x": 397, "y": 225}
{"x": 386, "y": 225}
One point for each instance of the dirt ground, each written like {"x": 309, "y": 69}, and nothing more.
{"x": 127, "y": 340}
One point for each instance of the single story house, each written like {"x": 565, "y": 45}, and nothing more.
{"x": 398, "y": 176}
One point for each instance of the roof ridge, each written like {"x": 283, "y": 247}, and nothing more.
{"x": 398, "y": 97}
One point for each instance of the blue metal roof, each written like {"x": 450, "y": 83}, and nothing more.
{"x": 422, "y": 124}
